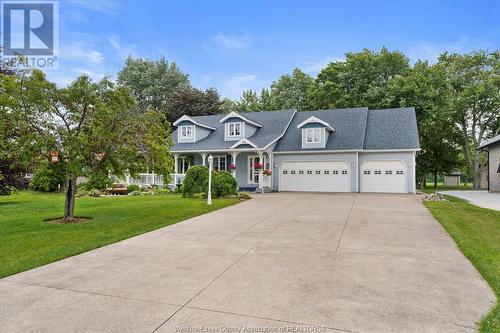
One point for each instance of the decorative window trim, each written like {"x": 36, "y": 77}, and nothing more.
{"x": 234, "y": 135}
{"x": 311, "y": 133}
{"x": 183, "y": 131}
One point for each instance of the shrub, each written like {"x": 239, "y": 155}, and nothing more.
{"x": 4, "y": 187}
{"x": 48, "y": 177}
{"x": 223, "y": 184}
{"x": 96, "y": 182}
{"x": 133, "y": 188}
{"x": 243, "y": 196}
{"x": 134, "y": 193}
{"x": 162, "y": 191}
{"x": 195, "y": 181}
{"x": 81, "y": 192}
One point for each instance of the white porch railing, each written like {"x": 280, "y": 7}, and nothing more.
{"x": 145, "y": 179}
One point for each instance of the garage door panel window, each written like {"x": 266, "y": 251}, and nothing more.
{"x": 399, "y": 172}
{"x": 388, "y": 172}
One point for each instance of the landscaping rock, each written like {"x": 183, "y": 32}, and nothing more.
{"x": 435, "y": 197}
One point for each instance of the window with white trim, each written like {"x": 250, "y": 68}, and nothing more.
{"x": 186, "y": 132}
{"x": 313, "y": 135}
{"x": 234, "y": 129}
{"x": 220, "y": 163}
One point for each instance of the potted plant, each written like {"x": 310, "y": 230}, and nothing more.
{"x": 257, "y": 166}
{"x": 232, "y": 166}
{"x": 267, "y": 172}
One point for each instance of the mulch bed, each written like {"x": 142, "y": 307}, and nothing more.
{"x": 75, "y": 220}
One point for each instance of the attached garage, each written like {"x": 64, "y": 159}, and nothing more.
{"x": 383, "y": 176}
{"x": 315, "y": 176}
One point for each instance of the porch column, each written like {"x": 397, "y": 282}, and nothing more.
{"x": 176, "y": 167}
{"x": 234, "y": 154}
{"x": 204, "y": 158}
{"x": 259, "y": 152}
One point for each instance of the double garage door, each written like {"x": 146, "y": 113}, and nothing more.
{"x": 335, "y": 176}
{"x": 315, "y": 176}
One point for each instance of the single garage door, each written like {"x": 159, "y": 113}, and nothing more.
{"x": 383, "y": 177}
{"x": 328, "y": 176}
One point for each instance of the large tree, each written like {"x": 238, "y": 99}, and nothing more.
{"x": 93, "y": 126}
{"x": 475, "y": 89}
{"x": 152, "y": 83}
{"x": 187, "y": 100}
{"x": 426, "y": 88}
{"x": 361, "y": 80}
{"x": 289, "y": 92}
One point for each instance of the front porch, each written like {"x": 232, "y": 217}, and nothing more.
{"x": 238, "y": 162}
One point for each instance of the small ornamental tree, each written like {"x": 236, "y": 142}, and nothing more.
{"x": 195, "y": 181}
{"x": 94, "y": 127}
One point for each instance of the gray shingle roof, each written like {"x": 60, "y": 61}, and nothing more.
{"x": 493, "y": 141}
{"x": 355, "y": 128}
{"x": 392, "y": 129}
{"x": 348, "y": 124}
{"x": 273, "y": 124}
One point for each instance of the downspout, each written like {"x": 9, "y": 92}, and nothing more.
{"x": 357, "y": 172}
{"x": 414, "y": 173}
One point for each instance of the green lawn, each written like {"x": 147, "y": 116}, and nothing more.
{"x": 477, "y": 233}
{"x": 440, "y": 187}
{"x": 27, "y": 242}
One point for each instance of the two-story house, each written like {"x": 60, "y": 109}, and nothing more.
{"x": 339, "y": 150}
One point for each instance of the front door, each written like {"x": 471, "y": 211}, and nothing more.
{"x": 253, "y": 176}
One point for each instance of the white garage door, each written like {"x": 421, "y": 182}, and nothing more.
{"x": 315, "y": 176}
{"x": 383, "y": 177}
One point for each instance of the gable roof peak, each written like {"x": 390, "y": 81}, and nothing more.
{"x": 187, "y": 118}
{"x": 234, "y": 114}
{"x": 312, "y": 120}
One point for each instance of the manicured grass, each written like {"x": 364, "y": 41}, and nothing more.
{"x": 440, "y": 187}
{"x": 27, "y": 242}
{"x": 477, "y": 233}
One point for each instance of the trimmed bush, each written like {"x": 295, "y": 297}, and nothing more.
{"x": 195, "y": 181}
{"x": 223, "y": 184}
{"x": 48, "y": 177}
{"x": 133, "y": 188}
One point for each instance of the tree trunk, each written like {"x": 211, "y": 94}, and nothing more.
{"x": 477, "y": 173}
{"x": 435, "y": 180}
{"x": 69, "y": 206}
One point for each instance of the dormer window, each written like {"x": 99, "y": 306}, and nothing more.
{"x": 313, "y": 135}
{"x": 234, "y": 130}
{"x": 186, "y": 132}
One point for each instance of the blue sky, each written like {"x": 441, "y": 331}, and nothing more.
{"x": 236, "y": 45}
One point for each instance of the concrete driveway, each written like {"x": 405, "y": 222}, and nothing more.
{"x": 279, "y": 262}
{"x": 485, "y": 199}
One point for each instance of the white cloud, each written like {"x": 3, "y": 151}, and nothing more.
{"x": 78, "y": 51}
{"x": 315, "y": 66}
{"x": 234, "y": 86}
{"x": 431, "y": 50}
{"x": 241, "y": 41}
{"x": 122, "y": 50}
{"x": 108, "y": 7}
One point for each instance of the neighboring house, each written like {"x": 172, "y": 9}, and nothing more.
{"x": 340, "y": 150}
{"x": 492, "y": 146}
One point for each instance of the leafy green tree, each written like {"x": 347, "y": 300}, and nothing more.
{"x": 475, "y": 98}
{"x": 248, "y": 102}
{"x": 152, "y": 83}
{"x": 427, "y": 89}
{"x": 290, "y": 91}
{"x": 361, "y": 80}
{"x": 187, "y": 100}
{"x": 94, "y": 127}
